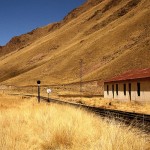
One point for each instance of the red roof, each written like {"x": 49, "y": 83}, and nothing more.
{"x": 131, "y": 75}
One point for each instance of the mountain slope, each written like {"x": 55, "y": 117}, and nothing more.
{"x": 111, "y": 36}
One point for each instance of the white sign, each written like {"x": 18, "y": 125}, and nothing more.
{"x": 49, "y": 91}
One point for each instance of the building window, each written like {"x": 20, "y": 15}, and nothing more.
{"x": 107, "y": 89}
{"x": 138, "y": 89}
{"x": 124, "y": 88}
{"x": 130, "y": 91}
{"x": 113, "y": 90}
{"x": 117, "y": 89}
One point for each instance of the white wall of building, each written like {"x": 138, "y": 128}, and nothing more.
{"x": 144, "y": 90}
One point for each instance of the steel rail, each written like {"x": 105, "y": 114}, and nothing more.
{"x": 137, "y": 120}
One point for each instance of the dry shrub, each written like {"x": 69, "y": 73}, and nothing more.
{"x": 57, "y": 127}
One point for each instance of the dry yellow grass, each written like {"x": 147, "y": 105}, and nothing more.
{"x": 7, "y": 101}
{"x": 41, "y": 126}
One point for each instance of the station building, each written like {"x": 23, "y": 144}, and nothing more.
{"x": 133, "y": 85}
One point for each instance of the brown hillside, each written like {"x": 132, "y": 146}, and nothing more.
{"x": 19, "y": 42}
{"x": 111, "y": 36}
{"x": 22, "y": 41}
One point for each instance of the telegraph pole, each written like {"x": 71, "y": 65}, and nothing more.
{"x": 81, "y": 74}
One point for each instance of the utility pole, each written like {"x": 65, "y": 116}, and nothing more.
{"x": 81, "y": 74}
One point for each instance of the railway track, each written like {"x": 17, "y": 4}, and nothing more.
{"x": 137, "y": 120}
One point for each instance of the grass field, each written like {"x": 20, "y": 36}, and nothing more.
{"x": 27, "y": 125}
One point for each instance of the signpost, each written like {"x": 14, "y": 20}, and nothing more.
{"x": 38, "y": 83}
{"x": 48, "y": 92}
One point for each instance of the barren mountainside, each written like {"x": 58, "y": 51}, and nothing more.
{"x": 111, "y": 36}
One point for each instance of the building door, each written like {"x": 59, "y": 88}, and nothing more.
{"x": 113, "y": 90}
{"x": 130, "y": 91}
